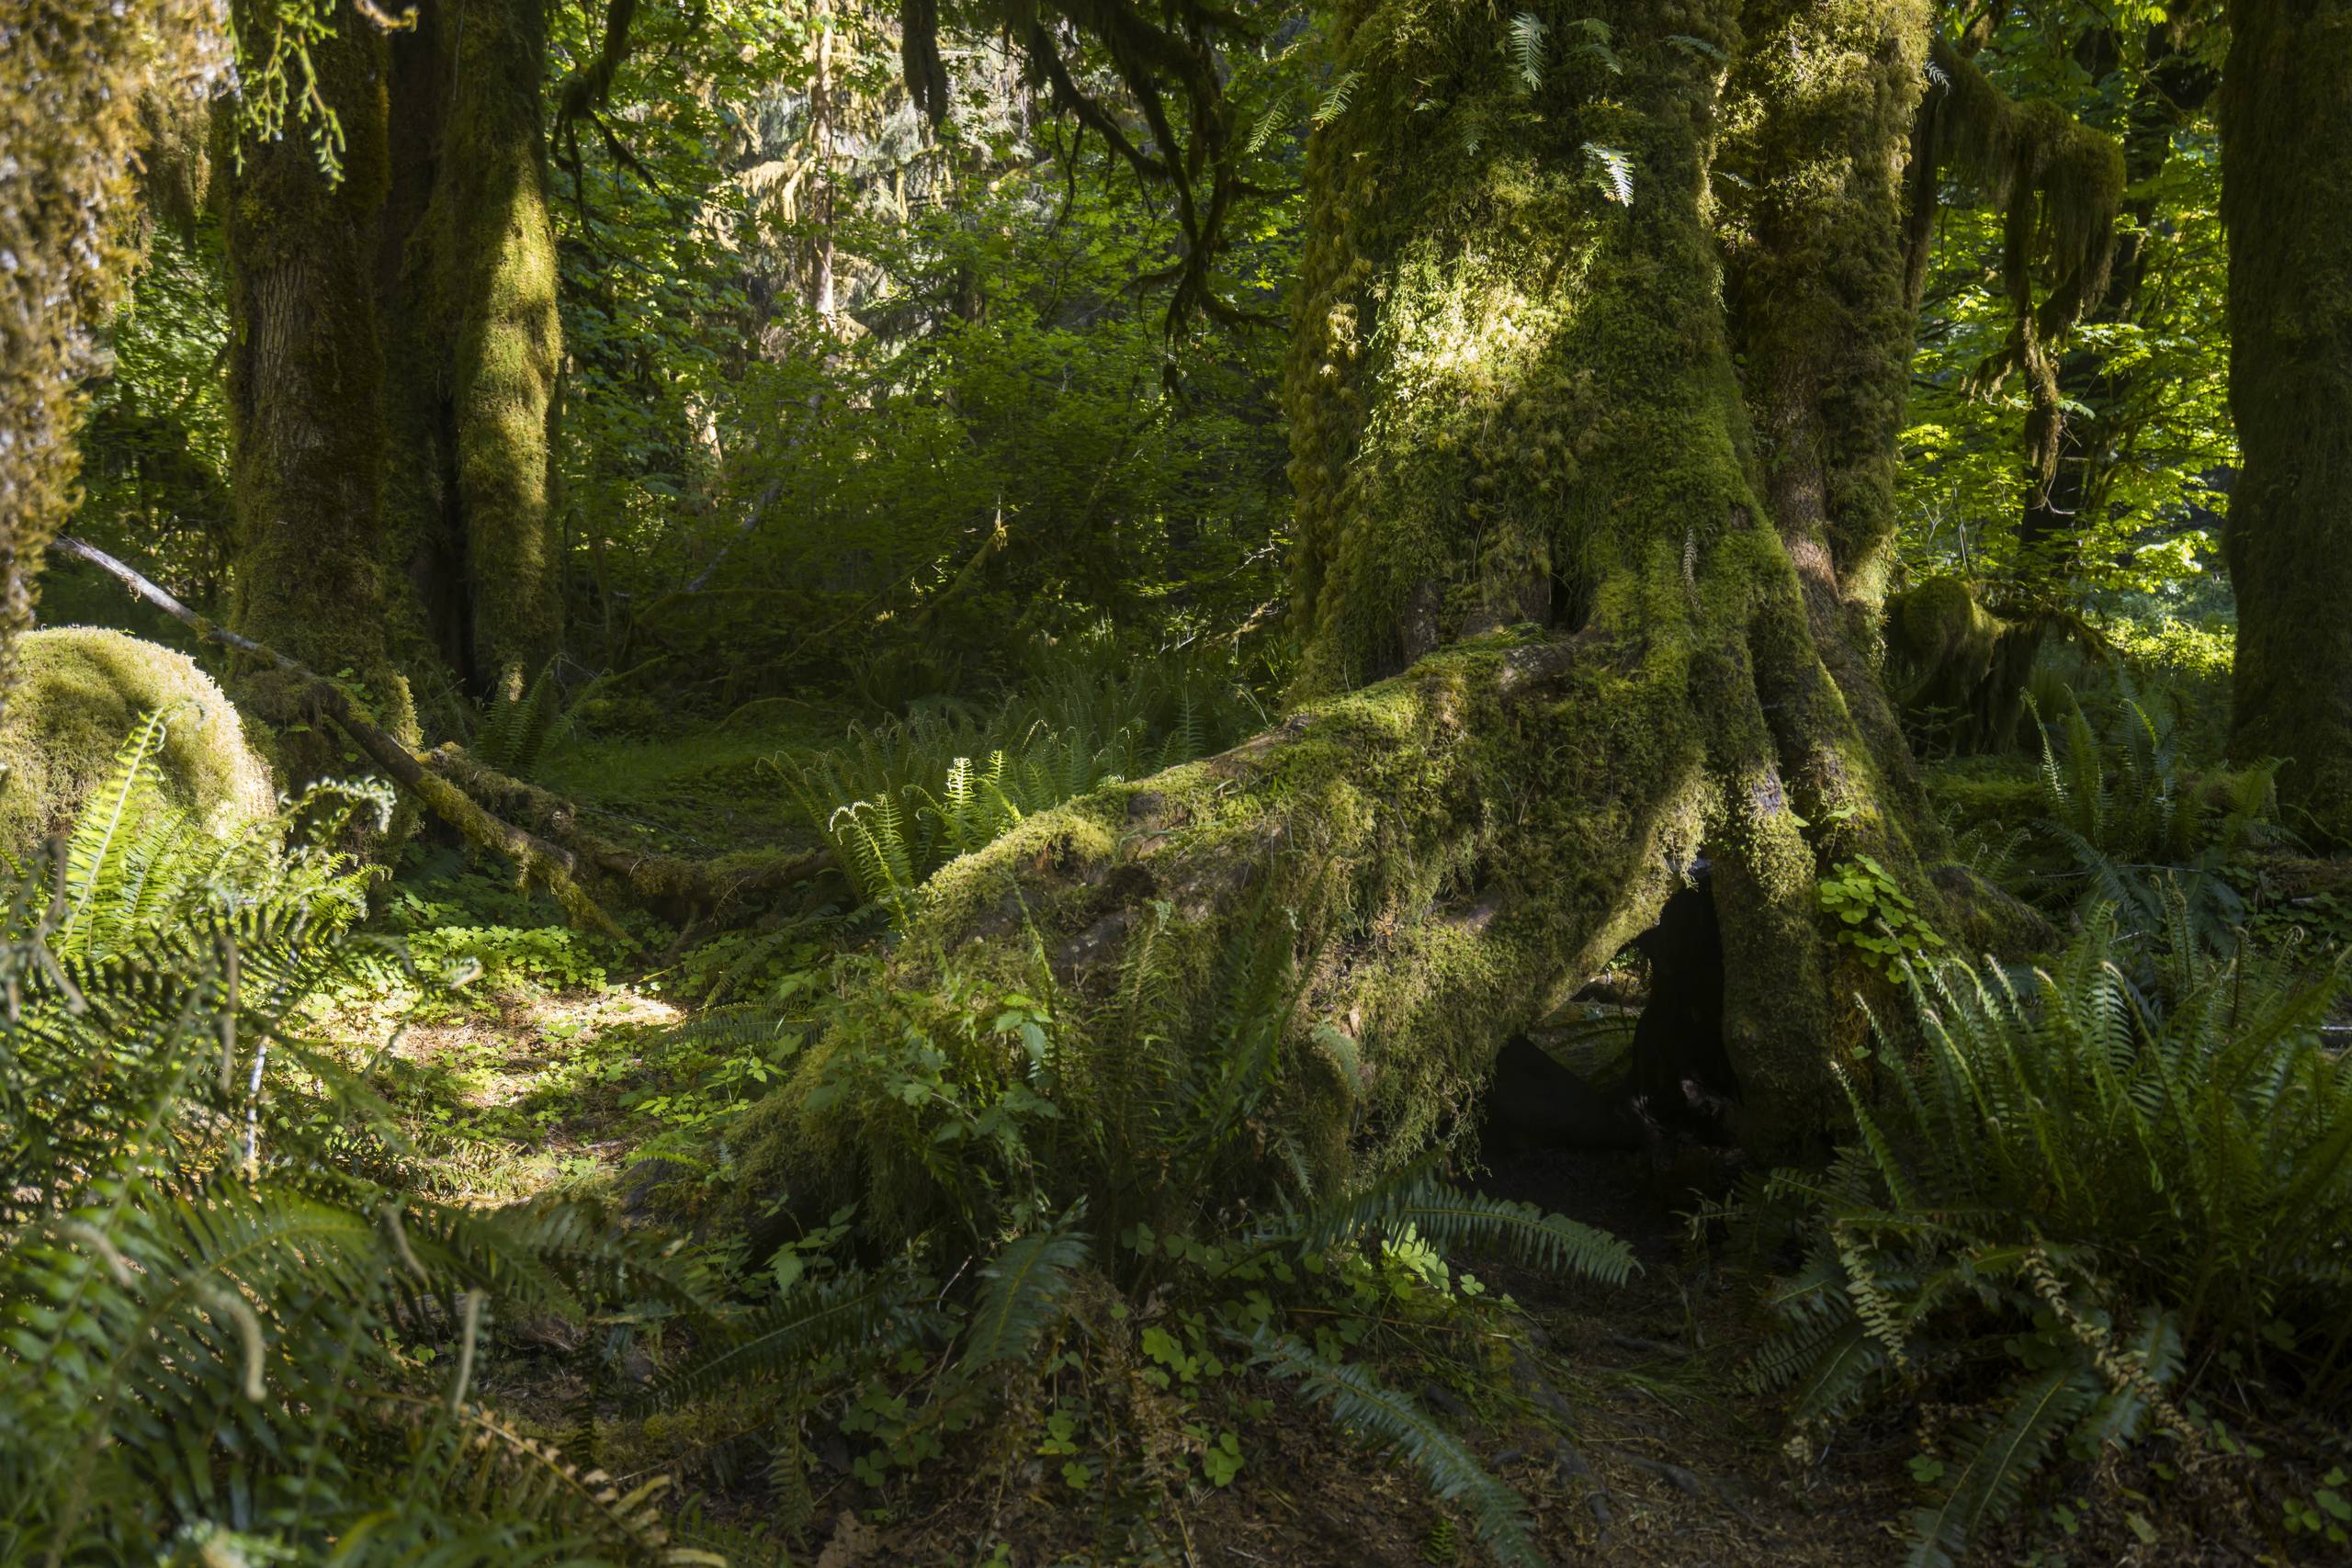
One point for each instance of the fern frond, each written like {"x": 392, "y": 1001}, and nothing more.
{"x": 1450, "y": 1218}
{"x": 1357, "y": 1400}
{"x": 1996, "y": 1463}
{"x": 1528, "y": 31}
{"x": 1027, "y": 1282}
{"x": 812, "y": 1322}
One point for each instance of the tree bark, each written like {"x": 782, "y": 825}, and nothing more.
{"x": 2285, "y": 113}
{"x": 1566, "y": 618}
{"x": 396, "y": 353}
{"x": 468, "y": 271}
{"x": 305, "y": 395}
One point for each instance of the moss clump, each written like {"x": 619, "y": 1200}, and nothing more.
{"x": 1960, "y": 669}
{"x": 81, "y": 692}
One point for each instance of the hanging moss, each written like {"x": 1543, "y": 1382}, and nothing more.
{"x": 73, "y": 74}
{"x": 2059, "y": 187}
{"x": 81, "y": 692}
{"x": 2287, "y": 204}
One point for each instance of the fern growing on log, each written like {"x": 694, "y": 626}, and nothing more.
{"x": 902, "y": 798}
{"x": 516, "y": 728}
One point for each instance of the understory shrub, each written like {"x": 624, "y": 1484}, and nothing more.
{"x": 2136, "y": 826}
{"x": 2092, "y": 1189}
{"x": 999, "y": 1195}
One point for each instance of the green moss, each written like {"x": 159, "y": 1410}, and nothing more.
{"x": 1960, "y": 670}
{"x": 498, "y": 281}
{"x": 1505, "y": 386}
{"x": 81, "y": 693}
{"x": 473, "y": 371}
{"x": 1443, "y": 895}
{"x": 71, "y": 80}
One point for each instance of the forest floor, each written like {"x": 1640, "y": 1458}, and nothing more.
{"x": 1625, "y": 1429}
{"x": 1618, "y": 1413}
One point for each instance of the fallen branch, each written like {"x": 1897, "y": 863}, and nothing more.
{"x": 555, "y": 868}
{"x": 670, "y": 883}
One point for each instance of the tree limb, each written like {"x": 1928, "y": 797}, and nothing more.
{"x": 556, "y": 868}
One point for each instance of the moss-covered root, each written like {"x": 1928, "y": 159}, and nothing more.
{"x": 80, "y": 691}
{"x": 1463, "y": 845}
{"x": 669, "y": 885}
{"x": 2286, "y": 114}
{"x": 73, "y": 73}
{"x": 1456, "y": 843}
{"x": 1817, "y": 117}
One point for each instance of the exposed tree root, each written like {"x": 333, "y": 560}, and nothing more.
{"x": 669, "y": 885}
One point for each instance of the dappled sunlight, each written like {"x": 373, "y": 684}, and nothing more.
{"x": 1086, "y": 783}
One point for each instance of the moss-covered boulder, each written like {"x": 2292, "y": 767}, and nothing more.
{"x": 81, "y": 691}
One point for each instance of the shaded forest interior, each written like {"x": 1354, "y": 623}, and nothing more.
{"x": 1378, "y": 783}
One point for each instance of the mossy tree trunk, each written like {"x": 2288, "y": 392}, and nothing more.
{"x": 397, "y": 344}
{"x": 470, "y": 277}
{"x": 305, "y": 391}
{"x": 1577, "y": 600}
{"x": 73, "y": 74}
{"x": 2285, "y": 113}
{"x": 1514, "y": 400}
